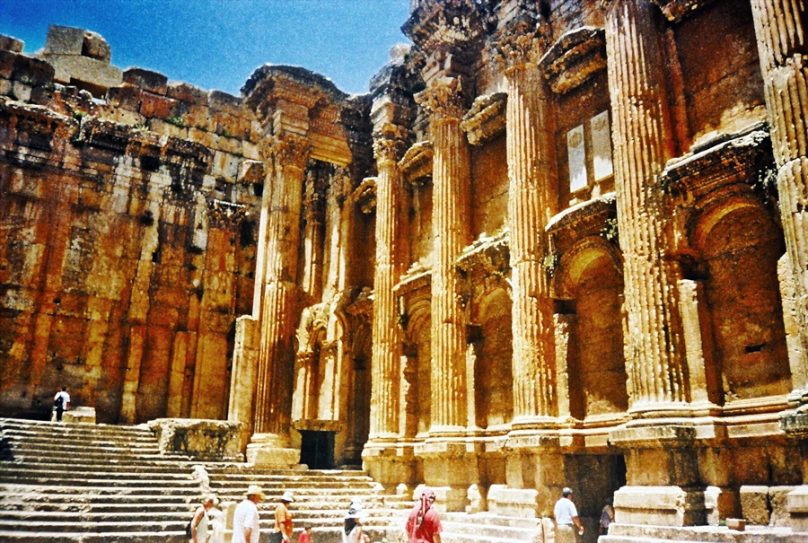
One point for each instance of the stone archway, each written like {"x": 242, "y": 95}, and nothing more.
{"x": 493, "y": 378}
{"x": 417, "y": 370}
{"x": 739, "y": 245}
{"x": 590, "y": 281}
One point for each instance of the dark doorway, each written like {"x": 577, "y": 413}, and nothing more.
{"x": 317, "y": 449}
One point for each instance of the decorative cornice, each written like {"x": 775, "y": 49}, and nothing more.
{"x": 417, "y": 162}
{"x": 588, "y": 218}
{"x": 574, "y": 58}
{"x": 486, "y": 118}
{"x": 487, "y": 256}
{"x": 365, "y": 195}
{"x": 443, "y": 23}
{"x": 732, "y": 159}
{"x": 443, "y": 98}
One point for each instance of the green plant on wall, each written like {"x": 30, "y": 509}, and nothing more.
{"x": 550, "y": 263}
{"x": 610, "y": 231}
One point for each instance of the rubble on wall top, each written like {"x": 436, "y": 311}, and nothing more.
{"x": 302, "y": 75}
{"x": 9, "y": 43}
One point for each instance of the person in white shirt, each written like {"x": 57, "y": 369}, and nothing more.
{"x": 566, "y": 515}
{"x": 246, "y": 521}
{"x": 61, "y": 403}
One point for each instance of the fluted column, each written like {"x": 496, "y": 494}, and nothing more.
{"x": 654, "y": 346}
{"x": 288, "y": 155}
{"x": 780, "y": 26}
{"x": 450, "y": 233}
{"x": 532, "y": 199}
{"x": 385, "y": 378}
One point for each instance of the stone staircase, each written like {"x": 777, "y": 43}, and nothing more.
{"x": 93, "y": 483}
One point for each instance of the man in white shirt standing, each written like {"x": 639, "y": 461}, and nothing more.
{"x": 566, "y": 515}
{"x": 61, "y": 403}
{"x": 246, "y": 522}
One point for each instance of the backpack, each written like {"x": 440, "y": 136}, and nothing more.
{"x": 188, "y": 530}
{"x": 59, "y": 402}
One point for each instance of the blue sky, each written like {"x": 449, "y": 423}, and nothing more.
{"x": 216, "y": 44}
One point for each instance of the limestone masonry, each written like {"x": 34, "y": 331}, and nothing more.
{"x": 559, "y": 243}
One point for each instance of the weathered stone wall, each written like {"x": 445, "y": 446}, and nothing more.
{"x": 128, "y": 242}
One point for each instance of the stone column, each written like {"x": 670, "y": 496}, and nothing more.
{"x": 385, "y": 378}
{"x": 781, "y": 29}
{"x": 532, "y": 199}
{"x": 662, "y": 470}
{"x": 287, "y": 156}
{"x": 654, "y": 347}
{"x": 443, "y": 99}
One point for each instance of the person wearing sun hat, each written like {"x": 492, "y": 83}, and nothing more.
{"x": 246, "y": 521}
{"x": 352, "y": 532}
{"x": 283, "y": 520}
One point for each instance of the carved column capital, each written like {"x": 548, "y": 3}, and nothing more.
{"x": 389, "y": 143}
{"x": 287, "y": 150}
{"x": 520, "y": 46}
{"x": 443, "y": 99}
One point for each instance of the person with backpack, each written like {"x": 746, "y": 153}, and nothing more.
{"x": 61, "y": 403}
{"x": 198, "y": 529}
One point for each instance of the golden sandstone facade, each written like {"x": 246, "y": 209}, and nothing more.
{"x": 557, "y": 244}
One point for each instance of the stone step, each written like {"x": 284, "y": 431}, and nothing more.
{"x": 490, "y": 519}
{"x": 22, "y": 471}
{"x": 64, "y": 449}
{"x": 42, "y": 425}
{"x": 162, "y": 525}
{"x": 90, "y": 536}
{"x": 100, "y": 457}
{"x": 55, "y": 440}
{"x": 108, "y": 467}
{"x": 485, "y": 531}
{"x": 99, "y": 479}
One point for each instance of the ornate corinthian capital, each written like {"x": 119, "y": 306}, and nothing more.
{"x": 520, "y": 46}
{"x": 443, "y": 98}
{"x": 389, "y": 143}
{"x": 287, "y": 150}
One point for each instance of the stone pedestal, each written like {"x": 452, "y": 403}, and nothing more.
{"x": 663, "y": 480}
{"x": 268, "y": 450}
{"x": 80, "y": 414}
{"x": 389, "y": 464}
{"x": 449, "y": 468}
{"x": 198, "y": 438}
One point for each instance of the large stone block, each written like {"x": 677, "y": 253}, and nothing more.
{"x": 147, "y": 80}
{"x": 199, "y": 438}
{"x": 64, "y": 40}
{"x": 755, "y": 504}
{"x": 80, "y": 414}
{"x": 7, "y": 43}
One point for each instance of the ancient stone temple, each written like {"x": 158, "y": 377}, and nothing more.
{"x": 556, "y": 244}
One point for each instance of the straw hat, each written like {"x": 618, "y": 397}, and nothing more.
{"x": 255, "y": 490}
{"x": 287, "y": 497}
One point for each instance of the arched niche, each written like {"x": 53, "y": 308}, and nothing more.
{"x": 589, "y": 280}
{"x": 739, "y": 245}
{"x": 416, "y": 382}
{"x": 493, "y": 378}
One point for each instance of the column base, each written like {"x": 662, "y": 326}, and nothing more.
{"x": 660, "y": 506}
{"x": 513, "y": 502}
{"x": 450, "y": 467}
{"x": 797, "y": 506}
{"x": 271, "y": 450}
{"x": 389, "y": 463}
